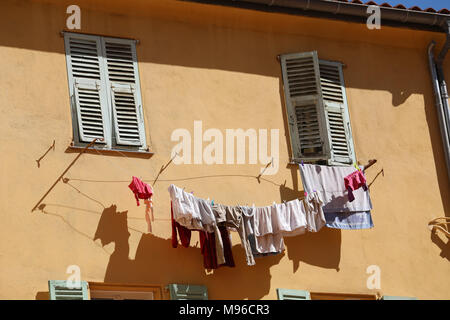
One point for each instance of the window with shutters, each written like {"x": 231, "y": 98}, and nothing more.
{"x": 105, "y": 92}
{"x": 317, "y": 110}
{"x": 60, "y": 290}
{"x": 187, "y": 292}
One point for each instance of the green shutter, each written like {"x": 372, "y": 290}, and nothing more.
{"x": 188, "y": 292}
{"x": 305, "y": 113}
{"x": 59, "y": 290}
{"x": 287, "y": 294}
{"x": 337, "y": 115}
{"x": 397, "y": 298}
{"x": 87, "y": 87}
{"x": 317, "y": 109}
{"x": 125, "y": 96}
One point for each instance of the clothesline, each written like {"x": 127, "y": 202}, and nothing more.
{"x": 264, "y": 227}
{"x": 176, "y": 179}
{"x": 258, "y": 177}
{"x": 335, "y": 197}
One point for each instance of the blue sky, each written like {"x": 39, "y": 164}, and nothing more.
{"x": 435, "y": 4}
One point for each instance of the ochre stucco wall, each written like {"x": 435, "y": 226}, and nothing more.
{"x": 217, "y": 65}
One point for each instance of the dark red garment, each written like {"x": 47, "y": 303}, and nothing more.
{"x": 140, "y": 189}
{"x": 354, "y": 181}
{"x": 207, "y": 243}
{"x": 208, "y": 248}
{"x": 178, "y": 229}
{"x": 229, "y": 261}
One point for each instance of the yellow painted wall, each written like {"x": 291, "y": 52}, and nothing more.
{"x": 217, "y": 65}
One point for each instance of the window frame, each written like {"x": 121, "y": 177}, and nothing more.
{"x": 112, "y": 291}
{"x": 293, "y": 99}
{"x": 110, "y": 143}
{"x": 187, "y": 291}
{"x": 284, "y": 294}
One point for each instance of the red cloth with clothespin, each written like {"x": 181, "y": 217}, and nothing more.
{"x": 140, "y": 189}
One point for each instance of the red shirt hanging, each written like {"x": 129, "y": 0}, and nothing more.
{"x": 140, "y": 189}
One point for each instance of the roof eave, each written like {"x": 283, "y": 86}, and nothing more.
{"x": 342, "y": 10}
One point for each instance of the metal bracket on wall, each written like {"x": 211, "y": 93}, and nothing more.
{"x": 42, "y": 157}
{"x": 64, "y": 172}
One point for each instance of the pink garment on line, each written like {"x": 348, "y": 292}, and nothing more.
{"x": 140, "y": 189}
{"x": 354, "y": 181}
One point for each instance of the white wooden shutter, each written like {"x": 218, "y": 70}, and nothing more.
{"x": 59, "y": 290}
{"x": 87, "y": 86}
{"x": 337, "y": 115}
{"x": 304, "y": 107}
{"x": 125, "y": 96}
{"x": 288, "y": 294}
{"x": 188, "y": 292}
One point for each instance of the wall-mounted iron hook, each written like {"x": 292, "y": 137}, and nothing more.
{"x": 42, "y": 157}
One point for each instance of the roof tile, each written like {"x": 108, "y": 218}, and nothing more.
{"x": 399, "y": 6}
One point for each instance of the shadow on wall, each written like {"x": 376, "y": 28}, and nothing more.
{"x": 438, "y": 153}
{"x": 42, "y": 295}
{"x": 321, "y": 249}
{"x": 444, "y": 246}
{"x": 225, "y": 48}
{"x": 229, "y": 49}
{"x": 156, "y": 262}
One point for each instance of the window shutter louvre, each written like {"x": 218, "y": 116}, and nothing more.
{"x": 123, "y": 81}
{"x": 59, "y": 290}
{"x": 303, "y": 96}
{"x": 287, "y": 294}
{"x": 188, "y": 292}
{"x": 86, "y": 85}
{"x": 337, "y": 115}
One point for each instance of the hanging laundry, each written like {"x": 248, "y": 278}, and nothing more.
{"x": 349, "y": 220}
{"x": 268, "y": 238}
{"x": 208, "y": 249}
{"x": 207, "y": 244}
{"x": 143, "y": 191}
{"x": 207, "y": 216}
{"x": 339, "y": 212}
{"x": 197, "y": 214}
{"x": 231, "y": 217}
{"x": 290, "y": 218}
{"x": 353, "y": 182}
{"x": 185, "y": 208}
{"x": 248, "y": 215}
{"x": 328, "y": 182}
{"x": 177, "y": 229}
{"x": 227, "y": 253}
{"x": 315, "y": 216}
{"x": 140, "y": 189}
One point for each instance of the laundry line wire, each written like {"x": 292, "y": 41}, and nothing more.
{"x": 164, "y": 167}
{"x": 177, "y": 179}
{"x": 63, "y": 177}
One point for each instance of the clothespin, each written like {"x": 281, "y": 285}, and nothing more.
{"x": 212, "y": 202}
{"x": 303, "y": 164}
{"x": 356, "y": 166}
